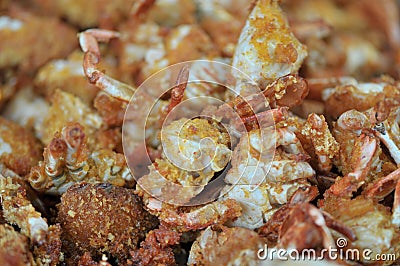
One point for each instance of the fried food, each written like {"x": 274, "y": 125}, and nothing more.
{"x": 101, "y": 218}
{"x": 19, "y": 149}
{"x": 220, "y": 245}
{"x": 156, "y": 249}
{"x": 68, "y": 160}
{"x": 21, "y": 28}
{"x": 14, "y": 247}
{"x": 91, "y": 13}
{"x": 283, "y": 132}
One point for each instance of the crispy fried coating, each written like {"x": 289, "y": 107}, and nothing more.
{"x": 110, "y": 109}
{"x": 156, "y": 250}
{"x": 110, "y": 139}
{"x": 44, "y": 240}
{"x": 65, "y": 108}
{"x": 19, "y": 149}
{"x": 101, "y": 218}
{"x": 88, "y": 13}
{"x": 14, "y": 248}
{"x": 49, "y": 253}
{"x": 32, "y": 40}
{"x": 220, "y": 245}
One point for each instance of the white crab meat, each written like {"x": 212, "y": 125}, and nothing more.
{"x": 258, "y": 181}
{"x": 195, "y": 145}
{"x": 267, "y": 49}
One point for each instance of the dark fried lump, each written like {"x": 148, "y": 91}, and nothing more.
{"x": 101, "y": 218}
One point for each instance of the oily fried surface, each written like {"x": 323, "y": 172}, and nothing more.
{"x": 26, "y": 49}
{"x": 101, "y": 218}
{"x": 19, "y": 150}
{"x": 14, "y": 248}
{"x": 220, "y": 245}
{"x": 88, "y": 13}
{"x": 156, "y": 250}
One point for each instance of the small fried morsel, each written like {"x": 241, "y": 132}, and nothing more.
{"x": 101, "y": 218}
{"x": 31, "y": 40}
{"x": 90, "y": 13}
{"x": 87, "y": 260}
{"x": 66, "y": 107}
{"x": 111, "y": 110}
{"x": 220, "y": 245}
{"x": 110, "y": 139}
{"x": 14, "y": 248}
{"x": 19, "y": 149}
{"x": 156, "y": 249}
{"x": 49, "y": 252}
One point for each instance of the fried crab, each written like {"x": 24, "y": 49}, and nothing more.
{"x": 296, "y": 147}
{"x": 37, "y": 242}
{"x": 68, "y": 160}
{"x": 102, "y": 219}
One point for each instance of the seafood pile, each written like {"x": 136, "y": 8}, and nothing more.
{"x": 190, "y": 132}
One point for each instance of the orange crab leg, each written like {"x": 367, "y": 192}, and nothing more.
{"x": 339, "y": 226}
{"x": 350, "y": 183}
{"x": 88, "y": 41}
{"x": 264, "y": 119}
{"x": 179, "y": 89}
{"x": 383, "y": 186}
{"x": 217, "y": 212}
{"x": 304, "y": 194}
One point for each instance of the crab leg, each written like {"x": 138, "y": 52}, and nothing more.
{"x": 179, "y": 89}
{"x": 304, "y": 194}
{"x": 289, "y": 90}
{"x": 263, "y": 119}
{"x": 141, "y": 7}
{"x": 351, "y": 182}
{"x": 88, "y": 41}
{"x": 383, "y": 186}
{"x": 339, "y": 226}
{"x": 319, "y": 220}
{"x": 217, "y": 212}
{"x": 284, "y": 92}
{"x": 303, "y": 214}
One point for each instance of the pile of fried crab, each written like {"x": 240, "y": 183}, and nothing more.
{"x": 305, "y": 154}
